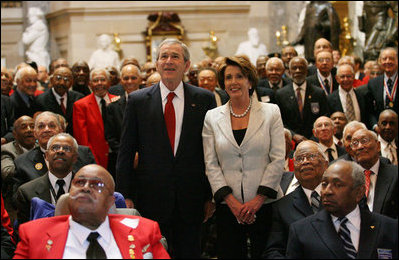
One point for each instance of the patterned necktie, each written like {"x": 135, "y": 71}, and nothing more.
{"x": 299, "y": 100}
{"x": 103, "y": 110}
{"x": 391, "y": 154}
{"x": 62, "y": 106}
{"x": 60, "y": 183}
{"x": 170, "y": 119}
{"x": 330, "y": 156}
{"x": 95, "y": 251}
{"x": 345, "y": 236}
{"x": 315, "y": 201}
{"x": 350, "y": 112}
{"x": 327, "y": 84}
{"x": 367, "y": 174}
{"x": 390, "y": 84}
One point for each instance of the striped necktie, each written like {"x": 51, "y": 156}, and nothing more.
{"x": 345, "y": 235}
{"x": 315, "y": 201}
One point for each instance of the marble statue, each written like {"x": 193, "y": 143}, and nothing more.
{"x": 252, "y": 48}
{"x": 104, "y": 56}
{"x": 36, "y": 37}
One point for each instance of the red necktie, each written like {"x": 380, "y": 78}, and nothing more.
{"x": 367, "y": 174}
{"x": 299, "y": 100}
{"x": 170, "y": 119}
{"x": 62, "y": 106}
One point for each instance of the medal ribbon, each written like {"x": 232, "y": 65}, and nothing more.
{"x": 391, "y": 96}
{"x": 324, "y": 87}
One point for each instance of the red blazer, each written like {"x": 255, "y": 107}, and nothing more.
{"x": 35, "y": 236}
{"x": 88, "y": 127}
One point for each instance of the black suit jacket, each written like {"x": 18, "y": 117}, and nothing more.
{"x": 117, "y": 90}
{"x": 266, "y": 95}
{"x": 287, "y": 210}
{"x": 335, "y": 104}
{"x": 315, "y": 105}
{"x": 376, "y": 97}
{"x": 164, "y": 184}
{"x": 48, "y": 102}
{"x": 314, "y": 80}
{"x": 7, "y": 118}
{"x": 39, "y": 187}
{"x": 224, "y": 97}
{"x": 286, "y": 179}
{"x": 315, "y": 237}
{"x": 264, "y": 83}
{"x": 312, "y": 69}
{"x": 113, "y": 125}
{"x": 20, "y": 107}
{"x": 31, "y": 165}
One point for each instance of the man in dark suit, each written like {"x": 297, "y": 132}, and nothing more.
{"x": 347, "y": 134}
{"x": 320, "y": 45}
{"x": 208, "y": 79}
{"x": 23, "y": 99}
{"x": 7, "y": 119}
{"x": 309, "y": 166}
{"x": 323, "y": 76}
{"x": 300, "y": 102}
{"x": 381, "y": 177}
{"x": 382, "y": 89}
{"x": 274, "y": 72}
{"x": 347, "y": 99}
{"x": 81, "y": 73}
{"x": 61, "y": 154}
{"x": 323, "y": 130}
{"x": 32, "y": 165}
{"x": 59, "y": 99}
{"x": 343, "y": 229}
{"x": 388, "y": 135}
{"x": 130, "y": 80}
{"x": 287, "y": 53}
{"x": 169, "y": 185}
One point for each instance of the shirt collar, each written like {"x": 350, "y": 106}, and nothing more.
{"x": 179, "y": 91}
{"x": 309, "y": 192}
{"x": 325, "y": 147}
{"x": 81, "y": 232}
{"x": 392, "y": 78}
{"x": 385, "y": 143}
{"x": 353, "y": 217}
{"x": 324, "y": 78}
{"x": 53, "y": 180}
{"x": 58, "y": 97}
{"x": 106, "y": 98}
{"x": 375, "y": 167}
{"x": 303, "y": 86}
{"x": 342, "y": 91}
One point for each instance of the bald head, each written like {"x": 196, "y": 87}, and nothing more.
{"x": 130, "y": 78}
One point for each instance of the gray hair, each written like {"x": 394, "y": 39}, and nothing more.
{"x": 298, "y": 57}
{"x": 171, "y": 41}
{"x": 98, "y": 70}
{"x": 22, "y": 71}
{"x": 319, "y": 149}
{"x": 329, "y": 119}
{"x": 48, "y": 113}
{"x": 345, "y": 64}
{"x": 357, "y": 172}
{"x": 278, "y": 60}
{"x": 352, "y": 124}
{"x": 75, "y": 144}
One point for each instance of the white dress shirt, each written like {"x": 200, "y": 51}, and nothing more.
{"x": 58, "y": 98}
{"x": 303, "y": 91}
{"x": 308, "y": 193}
{"x": 178, "y": 104}
{"x": 77, "y": 244}
{"x": 342, "y": 96}
{"x": 293, "y": 184}
{"x": 98, "y": 99}
{"x": 334, "y": 150}
{"x": 373, "y": 181}
{"x": 385, "y": 150}
{"x": 353, "y": 224}
{"x": 53, "y": 180}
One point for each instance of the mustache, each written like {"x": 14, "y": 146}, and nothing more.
{"x": 83, "y": 195}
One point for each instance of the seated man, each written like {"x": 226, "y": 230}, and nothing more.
{"x": 90, "y": 232}
{"x": 343, "y": 229}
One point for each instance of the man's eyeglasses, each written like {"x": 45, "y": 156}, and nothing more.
{"x": 65, "y": 148}
{"x": 94, "y": 183}
{"x": 310, "y": 157}
{"x": 363, "y": 141}
{"x": 59, "y": 77}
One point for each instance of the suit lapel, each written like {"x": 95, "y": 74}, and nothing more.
{"x": 301, "y": 202}
{"x": 291, "y": 98}
{"x": 56, "y": 237}
{"x": 37, "y": 159}
{"x": 124, "y": 238}
{"x": 369, "y": 230}
{"x": 325, "y": 229}
{"x": 224, "y": 125}
{"x": 256, "y": 120}
{"x": 43, "y": 189}
{"x": 381, "y": 188}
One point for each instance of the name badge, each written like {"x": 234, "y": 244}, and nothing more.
{"x": 314, "y": 107}
{"x": 265, "y": 99}
{"x": 384, "y": 253}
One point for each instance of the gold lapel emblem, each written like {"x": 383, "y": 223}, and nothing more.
{"x": 130, "y": 238}
{"x": 38, "y": 166}
{"x": 49, "y": 244}
{"x": 372, "y": 227}
{"x": 193, "y": 105}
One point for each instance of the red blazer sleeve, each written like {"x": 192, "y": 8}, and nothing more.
{"x": 79, "y": 123}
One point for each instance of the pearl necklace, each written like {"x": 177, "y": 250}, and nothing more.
{"x": 243, "y": 114}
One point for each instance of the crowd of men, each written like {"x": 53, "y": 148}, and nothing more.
{"x": 341, "y": 130}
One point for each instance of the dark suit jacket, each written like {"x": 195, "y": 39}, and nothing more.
{"x": 113, "y": 125}
{"x": 7, "y": 118}
{"x": 315, "y": 105}
{"x": 335, "y": 104}
{"x": 286, "y": 179}
{"x": 266, "y": 95}
{"x": 31, "y": 165}
{"x": 264, "y": 83}
{"x": 48, "y": 102}
{"x": 314, "y": 80}
{"x": 164, "y": 184}
{"x": 315, "y": 237}
{"x": 85, "y": 90}
{"x": 287, "y": 210}
{"x": 224, "y": 97}
{"x": 376, "y": 97}
{"x": 39, "y": 187}
{"x": 117, "y": 90}
{"x": 20, "y": 107}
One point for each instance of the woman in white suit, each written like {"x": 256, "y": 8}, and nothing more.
{"x": 244, "y": 151}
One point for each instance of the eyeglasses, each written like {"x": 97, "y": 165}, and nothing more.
{"x": 126, "y": 78}
{"x": 324, "y": 60}
{"x": 29, "y": 80}
{"x": 310, "y": 157}
{"x": 99, "y": 80}
{"x": 94, "y": 183}
{"x": 59, "y": 77}
{"x": 57, "y": 147}
{"x": 363, "y": 141}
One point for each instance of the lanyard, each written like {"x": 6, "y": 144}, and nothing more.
{"x": 391, "y": 95}
{"x": 324, "y": 87}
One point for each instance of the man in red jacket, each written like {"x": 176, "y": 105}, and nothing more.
{"x": 90, "y": 232}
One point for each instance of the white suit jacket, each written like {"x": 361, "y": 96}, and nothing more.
{"x": 259, "y": 160}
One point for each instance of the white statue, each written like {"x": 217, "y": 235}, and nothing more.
{"x": 36, "y": 37}
{"x": 104, "y": 56}
{"x": 252, "y": 48}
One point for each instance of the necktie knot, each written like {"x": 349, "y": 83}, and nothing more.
{"x": 95, "y": 251}
{"x": 367, "y": 174}
{"x": 343, "y": 220}
{"x": 170, "y": 97}
{"x": 92, "y": 236}
{"x": 315, "y": 201}
{"x": 60, "y": 183}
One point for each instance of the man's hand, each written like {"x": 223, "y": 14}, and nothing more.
{"x": 209, "y": 209}
{"x": 298, "y": 138}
